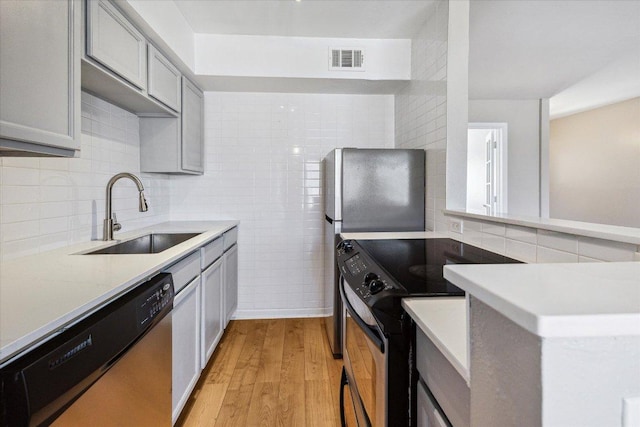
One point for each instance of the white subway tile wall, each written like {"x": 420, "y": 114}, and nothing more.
{"x": 46, "y": 203}
{"x": 263, "y": 167}
{"x": 421, "y": 109}
{"x": 535, "y": 245}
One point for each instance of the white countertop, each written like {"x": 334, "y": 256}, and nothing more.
{"x": 558, "y": 300}
{"x": 40, "y": 294}
{"x": 444, "y": 321}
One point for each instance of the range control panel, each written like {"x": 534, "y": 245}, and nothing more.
{"x": 364, "y": 276}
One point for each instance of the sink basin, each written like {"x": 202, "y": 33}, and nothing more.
{"x": 148, "y": 244}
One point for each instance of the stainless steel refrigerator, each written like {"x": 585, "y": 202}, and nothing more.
{"x": 367, "y": 190}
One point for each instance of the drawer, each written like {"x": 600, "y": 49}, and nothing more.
{"x": 428, "y": 413}
{"x": 447, "y": 386}
{"x": 230, "y": 238}
{"x": 211, "y": 252}
{"x": 184, "y": 270}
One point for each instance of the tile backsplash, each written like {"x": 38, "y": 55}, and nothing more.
{"x": 421, "y": 109}
{"x": 541, "y": 246}
{"x": 47, "y": 203}
{"x": 263, "y": 167}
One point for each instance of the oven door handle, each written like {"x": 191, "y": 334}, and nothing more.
{"x": 375, "y": 339}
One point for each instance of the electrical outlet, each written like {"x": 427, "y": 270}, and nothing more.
{"x": 455, "y": 226}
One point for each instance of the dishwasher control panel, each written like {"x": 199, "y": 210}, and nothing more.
{"x": 156, "y": 300}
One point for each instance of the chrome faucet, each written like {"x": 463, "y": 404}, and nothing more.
{"x": 110, "y": 221}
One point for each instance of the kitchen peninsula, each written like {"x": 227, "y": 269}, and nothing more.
{"x": 553, "y": 344}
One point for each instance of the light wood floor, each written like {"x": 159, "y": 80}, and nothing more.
{"x": 276, "y": 372}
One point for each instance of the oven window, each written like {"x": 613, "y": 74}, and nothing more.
{"x": 363, "y": 366}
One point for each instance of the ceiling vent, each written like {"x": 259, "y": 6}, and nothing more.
{"x": 346, "y": 59}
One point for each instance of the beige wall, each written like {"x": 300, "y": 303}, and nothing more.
{"x": 595, "y": 165}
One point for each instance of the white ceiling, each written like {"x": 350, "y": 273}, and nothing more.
{"x": 390, "y": 19}
{"x": 519, "y": 49}
{"x": 536, "y": 49}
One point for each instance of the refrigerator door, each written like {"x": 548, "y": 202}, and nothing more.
{"x": 332, "y": 301}
{"x": 332, "y": 187}
{"x": 383, "y": 190}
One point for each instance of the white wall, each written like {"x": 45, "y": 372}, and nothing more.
{"x": 46, "y": 203}
{"x": 421, "y": 108}
{"x": 263, "y": 167}
{"x": 523, "y": 140}
{"x": 595, "y": 165}
{"x": 298, "y": 57}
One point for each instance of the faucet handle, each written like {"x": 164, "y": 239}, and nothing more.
{"x": 116, "y": 225}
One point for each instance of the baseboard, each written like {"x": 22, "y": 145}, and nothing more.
{"x": 279, "y": 313}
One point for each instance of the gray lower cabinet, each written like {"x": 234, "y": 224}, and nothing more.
{"x": 186, "y": 345}
{"x": 164, "y": 80}
{"x": 40, "y": 49}
{"x": 198, "y": 314}
{"x": 175, "y": 145}
{"x": 446, "y": 385}
{"x": 211, "y": 309}
{"x": 115, "y": 43}
{"x": 230, "y": 261}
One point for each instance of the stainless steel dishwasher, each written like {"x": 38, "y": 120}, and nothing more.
{"x": 111, "y": 369}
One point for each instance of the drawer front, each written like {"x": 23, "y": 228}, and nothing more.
{"x": 230, "y": 238}
{"x": 114, "y": 42}
{"x": 428, "y": 413}
{"x": 184, "y": 270}
{"x": 164, "y": 80}
{"x": 211, "y": 252}
{"x": 446, "y": 384}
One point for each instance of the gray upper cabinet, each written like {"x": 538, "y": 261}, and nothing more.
{"x": 164, "y": 80}
{"x": 175, "y": 145}
{"x": 115, "y": 43}
{"x": 192, "y": 127}
{"x": 40, "y": 77}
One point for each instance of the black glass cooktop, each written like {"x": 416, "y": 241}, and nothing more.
{"x": 417, "y": 264}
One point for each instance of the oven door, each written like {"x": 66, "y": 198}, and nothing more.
{"x": 365, "y": 360}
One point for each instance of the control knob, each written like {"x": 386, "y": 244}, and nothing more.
{"x": 346, "y": 246}
{"x": 370, "y": 277}
{"x": 376, "y": 286}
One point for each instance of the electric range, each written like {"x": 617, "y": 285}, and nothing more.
{"x": 376, "y": 275}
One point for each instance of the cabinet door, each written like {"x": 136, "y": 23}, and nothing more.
{"x": 230, "y": 283}
{"x": 164, "y": 80}
{"x": 115, "y": 43}
{"x": 40, "y": 74}
{"x": 211, "y": 309}
{"x": 186, "y": 345}
{"x": 192, "y": 127}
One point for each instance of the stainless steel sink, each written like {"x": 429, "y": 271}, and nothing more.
{"x": 148, "y": 244}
